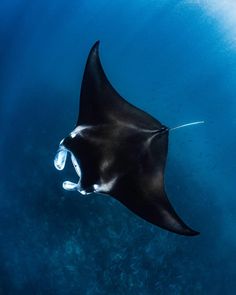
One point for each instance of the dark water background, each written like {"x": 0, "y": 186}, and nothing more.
{"x": 170, "y": 58}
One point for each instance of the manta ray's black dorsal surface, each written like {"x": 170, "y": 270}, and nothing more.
{"x": 119, "y": 150}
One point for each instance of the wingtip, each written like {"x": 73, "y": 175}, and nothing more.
{"x": 183, "y": 231}
{"x": 172, "y": 222}
{"x": 96, "y": 46}
{"x": 181, "y": 228}
{"x": 94, "y": 51}
{"x": 191, "y": 232}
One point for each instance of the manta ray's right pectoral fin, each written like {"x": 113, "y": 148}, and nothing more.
{"x": 162, "y": 214}
{"x": 151, "y": 205}
{"x": 167, "y": 218}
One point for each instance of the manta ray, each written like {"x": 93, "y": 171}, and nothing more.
{"x": 119, "y": 150}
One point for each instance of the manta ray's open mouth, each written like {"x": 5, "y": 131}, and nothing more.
{"x": 59, "y": 163}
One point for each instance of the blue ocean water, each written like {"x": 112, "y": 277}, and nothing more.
{"x": 174, "y": 59}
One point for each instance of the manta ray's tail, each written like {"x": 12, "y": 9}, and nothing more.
{"x": 188, "y": 124}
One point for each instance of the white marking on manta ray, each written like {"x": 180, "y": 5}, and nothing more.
{"x": 105, "y": 186}
{"x": 78, "y": 130}
{"x": 132, "y": 126}
{"x": 149, "y": 140}
{"x": 106, "y": 164}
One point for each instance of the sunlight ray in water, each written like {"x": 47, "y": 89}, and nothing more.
{"x": 224, "y": 12}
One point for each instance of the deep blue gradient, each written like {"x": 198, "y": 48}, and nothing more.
{"x": 171, "y": 59}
